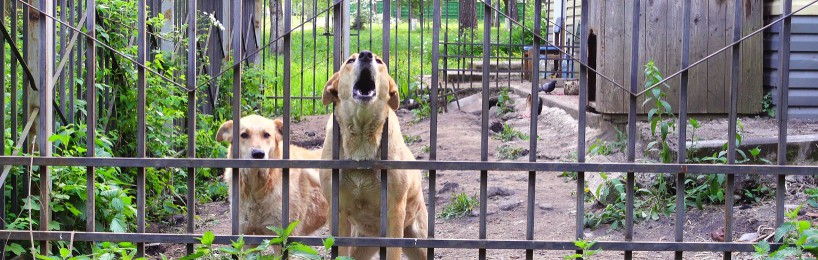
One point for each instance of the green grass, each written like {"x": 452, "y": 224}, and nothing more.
{"x": 410, "y": 57}
{"x": 460, "y": 206}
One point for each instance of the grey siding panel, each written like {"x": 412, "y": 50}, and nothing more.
{"x": 803, "y": 95}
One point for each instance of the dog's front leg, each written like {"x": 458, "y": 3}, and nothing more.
{"x": 396, "y": 216}
{"x": 344, "y": 230}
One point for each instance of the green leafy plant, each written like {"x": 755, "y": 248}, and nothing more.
{"x": 767, "y": 106}
{"x": 585, "y": 246}
{"x": 239, "y": 250}
{"x": 422, "y": 112}
{"x": 460, "y": 206}
{"x": 661, "y": 115}
{"x": 409, "y": 139}
{"x": 509, "y": 133}
{"x": 798, "y": 237}
{"x": 509, "y": 152}
{"x": 504, "y": 103}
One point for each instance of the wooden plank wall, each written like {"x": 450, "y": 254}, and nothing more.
{"x": 660, "y": 40}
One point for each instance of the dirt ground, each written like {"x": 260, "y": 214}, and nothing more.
{"x": 459, "y": 139}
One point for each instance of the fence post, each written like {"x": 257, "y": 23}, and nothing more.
{"x": 141, "y": 82}
{"x": 192, "y": 67}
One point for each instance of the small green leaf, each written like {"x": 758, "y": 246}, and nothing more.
{"x": 15, "y": 248}
{"x": 65, "y": 253}
{"x": 328, "y": 242}
{"x": 207, "y": 238}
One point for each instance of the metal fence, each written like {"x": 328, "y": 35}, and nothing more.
{"x": 71, "y": 50}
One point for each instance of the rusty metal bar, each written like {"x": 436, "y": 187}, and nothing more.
{"x": 236, "y": 26}
{"x": 430, "y": 253}
{"x": 285, "y": 172}
{"x": 141, "y": 149}
{"x": 91, "y": 115}
{"x": 582, "y": 108}
{"x": 532, "y": 127}
{"x": 15, "y": 205}
{"x": 389, "y": 242}
{"x": 731, "y": 139}
{"x": 802, "y": 170}
{"x": 783, "y": 110}
{"x": 3, "y": 120}
{"x": 336, "y": 143}
{"x": 192, "y": 66}
{"x": 682, "y": 141}
{"x": 484, "y": 128}
{"x": 384, "y": 186}
{"x": 46, "y": 126}
{"x": 629, "y": 178}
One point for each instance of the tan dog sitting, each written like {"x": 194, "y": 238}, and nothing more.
{"x": 260, "y": 189}
{"x": 365, "y": 96}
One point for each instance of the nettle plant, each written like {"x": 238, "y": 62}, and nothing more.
{"x": 661, "y": 115}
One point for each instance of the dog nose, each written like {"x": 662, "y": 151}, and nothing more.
{"x": 257, "y": 154}
{"x": 365, "y": 56}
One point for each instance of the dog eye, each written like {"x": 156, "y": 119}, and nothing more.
{"x": 266, "y": 135}
{"x": 351, "y": 61}
{"x": 244, "y": 135}
{"x": 379, "y": 61}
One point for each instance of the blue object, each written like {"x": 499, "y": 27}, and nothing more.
{"x": 542, "y": 48}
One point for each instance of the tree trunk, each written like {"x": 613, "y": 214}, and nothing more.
{"x": 468, "y": 14}
{"x": 511, "y": 9}
{"x": 397, "y": 11}
{"x": 276, "y": 26}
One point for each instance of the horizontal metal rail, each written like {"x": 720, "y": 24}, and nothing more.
{"x": 425, "y": 165}
{"x": 383, "y": 242}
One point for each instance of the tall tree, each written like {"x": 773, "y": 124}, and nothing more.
{"x": 468, "y": 14}
{"x": 511, "y": 9}
{"x": 276, "y": 26}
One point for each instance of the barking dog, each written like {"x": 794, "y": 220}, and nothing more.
{"x": 365, "y": 96}
{"x": 260, "y": 188}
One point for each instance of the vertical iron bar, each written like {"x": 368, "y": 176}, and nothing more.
{"x": 236, "y": 25}
{"x": 629, "y": 181}
{"x": 583, "y": 100}
{"x": 26, "y": 188}
{"x": 191, "y": 118}
{"x": 430, "y": 253}
{"x": 336, "y": 139}
{"x": 3, "y": 117}
{"x": 63, "y": 16}
{"x": 46, "y": 97}
{"x": 731, "y": 140}
{"x": 535, "y": 98}
{"x": 141, "y": 83}
{"x": 783, "y": 109}
{"x": 384, "y": 185}
{"x": 484, "y": 129}
{"x": 387, "y": 12}
{"x": 90, "y": 109}
{"x": 680, "y": 177}
{"x": 71, "y": 60}
{"x": 385, "y": 57}
{"x": 15, "y": 205}
{"x": 285, "y": 174}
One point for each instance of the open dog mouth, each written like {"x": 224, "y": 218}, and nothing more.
{"x": 364, "y": 88}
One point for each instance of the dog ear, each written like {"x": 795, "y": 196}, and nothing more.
{"x": 225, "y": 131}
{"x": 276, "y": 150}
{"x": 394, "y": 95}
{"x": 331, "y": 90}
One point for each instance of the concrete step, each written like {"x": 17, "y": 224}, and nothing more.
{"x": 499, "y": 65}
{"x": 799, "y": 147}
{"x": 472, "y": 76}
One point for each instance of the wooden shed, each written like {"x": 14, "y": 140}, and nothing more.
{"x": 660, "y": 40}
{"x": 803, "y": 89}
